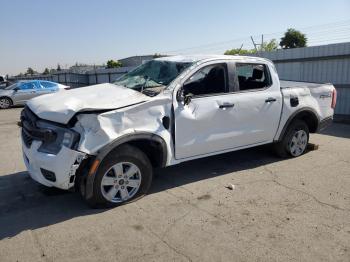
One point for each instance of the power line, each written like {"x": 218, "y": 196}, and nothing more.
{"x": 323, "y": 29}
{"x": 247, "y": 43}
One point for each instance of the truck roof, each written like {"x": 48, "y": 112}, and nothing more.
{"x": 203, "y": 58}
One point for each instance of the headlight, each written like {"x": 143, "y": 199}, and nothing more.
{"x": 64, "y": 137}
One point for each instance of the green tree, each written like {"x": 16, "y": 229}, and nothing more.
{"x": 270, "y": 46}
{"x": 46, "y": 71}
{"x": 238, "y": 51}
{"x": 293, "y": 39}
{"x": 113, "y": 64}
{"x": 267, "y": 46}
{"x": 30, "y": 71}
{"x": 58, "y": 67}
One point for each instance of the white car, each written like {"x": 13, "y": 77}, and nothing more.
{"x": 106, "y": 139}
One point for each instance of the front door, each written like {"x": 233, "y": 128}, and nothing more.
{"x": 202, "y": 126}
{"x": 26, "y": 91}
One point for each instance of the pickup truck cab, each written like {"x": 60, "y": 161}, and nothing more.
{"x": 105, "y": 140}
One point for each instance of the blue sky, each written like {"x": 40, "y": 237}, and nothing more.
{"x": 40, "y": 33}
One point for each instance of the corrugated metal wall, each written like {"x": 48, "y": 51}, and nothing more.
{"x": 329, "y": 63}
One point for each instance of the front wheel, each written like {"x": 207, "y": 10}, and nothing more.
{"x": 123, "y": 176}
{"x": 295, "y": 140}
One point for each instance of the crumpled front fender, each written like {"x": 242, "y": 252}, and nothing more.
{"x": 101, "y": 133}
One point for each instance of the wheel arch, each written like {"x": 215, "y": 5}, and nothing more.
{"x": 151, "y": 144}
{"x": 308, "y": 115}
{"x": 147, "y": 142}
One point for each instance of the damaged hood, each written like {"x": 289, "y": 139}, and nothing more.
{"x": 62, "y": 106}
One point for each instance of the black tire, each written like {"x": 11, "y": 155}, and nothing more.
{"x": 124, "y": 153}
{"x": 5, "y": 102}
{"x": 283, "y": 148}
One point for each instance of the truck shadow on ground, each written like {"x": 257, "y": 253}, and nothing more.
{"x": 24, "y": 205}
{"x": 337, "y": 130}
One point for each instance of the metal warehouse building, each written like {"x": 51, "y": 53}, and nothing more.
{"x": 327, "y": 63}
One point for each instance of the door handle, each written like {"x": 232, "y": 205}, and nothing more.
{"x": 32, "y": 92}
{"x": 226, "y": 105}
{"x": 270, "y": 99}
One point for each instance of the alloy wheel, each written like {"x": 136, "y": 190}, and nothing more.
{"x": 121, "y": 182}
{"x": 298, "y": 143}
{"x": 4, "y": 103}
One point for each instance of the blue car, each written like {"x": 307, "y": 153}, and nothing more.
{"x": 20, "y": 92}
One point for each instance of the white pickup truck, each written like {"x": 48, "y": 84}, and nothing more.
{"x": 106, "y": 139}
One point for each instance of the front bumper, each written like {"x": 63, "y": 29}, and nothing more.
{"x": 64, "y": 165}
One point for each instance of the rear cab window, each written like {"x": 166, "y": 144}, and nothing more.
{"x": 252, "y": 76}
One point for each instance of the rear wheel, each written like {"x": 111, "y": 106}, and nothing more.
{"x": 123, "y": 176}
{"x": 5, "y": 102}
{"x": 295, "y": 140}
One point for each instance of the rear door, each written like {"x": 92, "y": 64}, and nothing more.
{"x": 47, "y": 87}
{"x": 258, "y": 104}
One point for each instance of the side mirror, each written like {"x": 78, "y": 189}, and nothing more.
{"x": 188, "y": 99}
{"x": 16, "y": 89}
{"x": 181, "y": 97}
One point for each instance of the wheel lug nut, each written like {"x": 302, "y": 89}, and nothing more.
{"x": 122, "y": 187}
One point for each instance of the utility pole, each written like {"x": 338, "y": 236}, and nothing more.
{"x": 239, "y": 51}
{"x": 256, "y": 45}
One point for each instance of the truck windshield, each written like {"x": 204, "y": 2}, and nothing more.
{"x": 152, "y": 74}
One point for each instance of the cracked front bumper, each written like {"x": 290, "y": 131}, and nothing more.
{"x": 63, "y": 165}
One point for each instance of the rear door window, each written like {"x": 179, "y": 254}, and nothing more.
{"x": 252, "y": 76}
{"x": 46, "y": 84}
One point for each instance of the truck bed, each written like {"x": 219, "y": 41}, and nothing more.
{"x": 317, "y": 97}
{"x": 292, "y": 84}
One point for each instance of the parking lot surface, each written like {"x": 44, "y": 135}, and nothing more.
{"x": 279, "y": 210}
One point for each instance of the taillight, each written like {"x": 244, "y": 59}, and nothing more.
{"x": 334, "y": 98}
